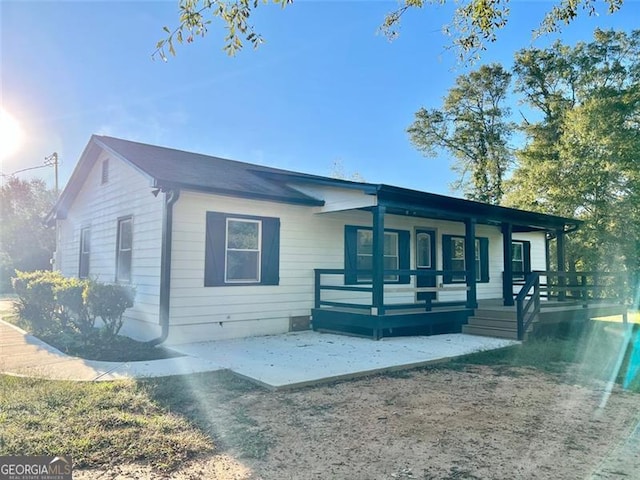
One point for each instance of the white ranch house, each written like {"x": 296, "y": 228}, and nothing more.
{"x": 219, "y": 249}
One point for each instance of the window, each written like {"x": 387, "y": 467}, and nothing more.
{"x": 85, "y": 250}
{"x": 241, "y": 250}
{"x": 453, "y": 258}
{"x": 359, "y": 254}
{"x": 457, "y": 259}
{"x": 520, "y": 259}
{"x": 364, "y": 252}
{"x": 124, "y": 249}
{"x": 104, "y": 178}
{"x": 423, "y": 250}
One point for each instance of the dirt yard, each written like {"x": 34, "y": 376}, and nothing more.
{"x": 468, "y": 423}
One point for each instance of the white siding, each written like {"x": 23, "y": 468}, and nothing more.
{"x": 308, "y": 240}
{"x": 99, "y": 206}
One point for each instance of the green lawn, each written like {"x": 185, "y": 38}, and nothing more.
{"x": 157, "y": 421}
{"x": 95, "y": 423}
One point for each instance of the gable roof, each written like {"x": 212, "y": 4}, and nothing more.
{"x": 172, "y": 168}
{"x": 169, "y": 168}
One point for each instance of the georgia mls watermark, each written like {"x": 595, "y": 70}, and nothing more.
{"x": 24, "y": 467}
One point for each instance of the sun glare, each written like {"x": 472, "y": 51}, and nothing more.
{"x": 11, "y": 134}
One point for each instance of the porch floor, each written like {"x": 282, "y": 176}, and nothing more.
{"x": 305, "y": 358}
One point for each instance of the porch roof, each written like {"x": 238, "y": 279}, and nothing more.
{"x": 423, "y": 204}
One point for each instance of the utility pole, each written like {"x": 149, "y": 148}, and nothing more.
{"x": 52, "y": 160}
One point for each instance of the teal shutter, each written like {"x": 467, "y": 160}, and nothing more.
{"x": 214, "y": 253}
{"x": 484, "y": 260}
{"x": 404, "y": 255}
{"x": 350, "y": 254}
{"x": 526, "y": 253}
{"x": 446, "y": 258}
{"x": 270, "y": 256}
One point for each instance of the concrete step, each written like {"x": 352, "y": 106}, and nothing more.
{"x": 493, "y": 322}
{"x": 497, "y": 313}
{"x": 489, "y": 331}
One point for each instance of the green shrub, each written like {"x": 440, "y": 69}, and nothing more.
{"x": 53, "y": 305}
{"x": 36, "y": 303}
{"x": 73, "y": 310}
{"x": 109, "y": 302}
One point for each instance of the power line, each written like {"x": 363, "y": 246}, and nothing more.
{"x": 49, "y": 161}
{"x": 24, "y": 170}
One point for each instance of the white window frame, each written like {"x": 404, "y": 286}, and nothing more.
{"x": 258, "y": 250}
{"x": 85, "y": 254}
{"x": 428, "y": 263}
{"x": 119, "y": 250}
{"x": 387, "y": 278}
{"x": 454, "y": 277}
{"x": 520, "y": 244}
{"x": 478, "y": 260}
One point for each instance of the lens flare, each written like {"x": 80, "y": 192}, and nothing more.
{"x": 11, "y": 134}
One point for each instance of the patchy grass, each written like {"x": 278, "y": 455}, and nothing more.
{"x": 596, "y": 351}
{"x": 96, "y": 423}
{"x": 209, "y": 400}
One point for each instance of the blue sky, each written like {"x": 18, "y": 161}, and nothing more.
{"x": 325, "y": 87}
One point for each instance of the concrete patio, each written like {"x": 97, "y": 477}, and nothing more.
{"x": 304, "y": 358}
{"x": 277, "y": 361}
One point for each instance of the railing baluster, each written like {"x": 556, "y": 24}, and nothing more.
{"x": 522, "y": 319}
{"x": 317, "y": 288}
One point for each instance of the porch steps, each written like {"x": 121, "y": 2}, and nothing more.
{"x": 496, "y": 321}
{"x": 493, "y": 322}
{"x": 485, "y": 331}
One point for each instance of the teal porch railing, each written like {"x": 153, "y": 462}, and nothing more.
{"x": 366, "y": 303}
{"x": 583, "y": 288}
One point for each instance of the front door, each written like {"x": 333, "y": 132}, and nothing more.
{"x": 425, "y": 246}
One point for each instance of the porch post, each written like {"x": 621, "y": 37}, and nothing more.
{"x": 547, "y": 251}
{"x": 561, "y": 263}
{"x": 507, "y": 277}
{"x": 470, "y": 261}
{"x": 378, "y": 260}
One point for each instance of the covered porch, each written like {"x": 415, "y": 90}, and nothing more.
{"x": 490, "y": 317}
{"x": 379, "y": 301}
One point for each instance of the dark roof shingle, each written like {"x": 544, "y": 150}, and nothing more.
{"x": 170, "y": 167}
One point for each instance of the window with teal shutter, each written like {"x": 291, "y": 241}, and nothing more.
{"x": 241, "y": 250}
{"x": 358, "y": 256}
{"x": 453, "y": 259}
{"x": 520, "y": 259}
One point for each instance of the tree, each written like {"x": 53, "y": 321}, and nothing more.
{"x": 338, "y": 171}
{"x": 583, "y": 145}
{"x": 26, "y": 244}
{"x": 474, "y": 24}
{"x": 472, "y": 126}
